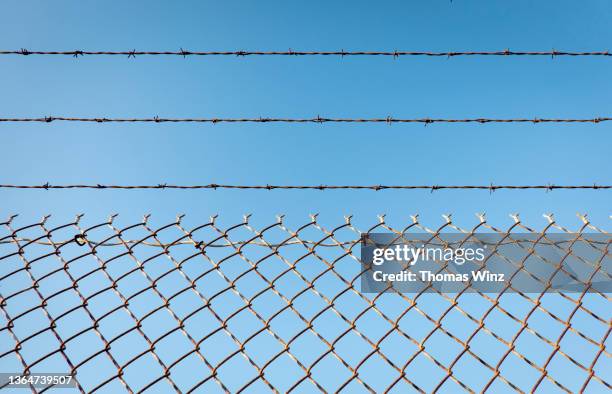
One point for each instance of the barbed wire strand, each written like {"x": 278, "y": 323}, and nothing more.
{"x": 318, "y": 119}
{"x": 240, "y": 53}
{"x": 215, "y": 186}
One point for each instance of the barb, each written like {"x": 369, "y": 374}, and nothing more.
{"x": 318, "y": 119}
{"x": 215, "y": 186}
{"x": 342, "y": 53}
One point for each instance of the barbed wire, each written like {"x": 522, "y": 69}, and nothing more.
{"x": 318, "y": 119}
{"x": 395, "y": 54}
{"x": 215, "y": 186}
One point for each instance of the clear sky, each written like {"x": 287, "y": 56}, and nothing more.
{"x": 303, "y": 87}
{"x": 462, "y": 87}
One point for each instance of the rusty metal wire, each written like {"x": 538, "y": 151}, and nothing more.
{"x": 491, "y": 187}
{"x": 212, "y": 308}
{"x": 182, "y": 52}
{"x": 318, "y": 119}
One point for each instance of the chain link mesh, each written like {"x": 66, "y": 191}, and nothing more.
{"x": 239, "y": 308}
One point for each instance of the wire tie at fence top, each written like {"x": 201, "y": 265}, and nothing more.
{"x": 80, "y": 239}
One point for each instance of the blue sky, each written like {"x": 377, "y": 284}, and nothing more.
{"x": 294, "y": 154}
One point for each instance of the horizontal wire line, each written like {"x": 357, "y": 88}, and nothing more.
{"x": 17, "y": 240}
{"x": 184, "y": 53}
{"x": 491, "y": 187}
{"x": 192, "y": 243}
{"x": 318, "y": 119}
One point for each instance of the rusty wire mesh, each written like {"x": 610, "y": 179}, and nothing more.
{"x": 229, "y": 308}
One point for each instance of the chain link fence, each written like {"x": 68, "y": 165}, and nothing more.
{"x": 245, "y": 308}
